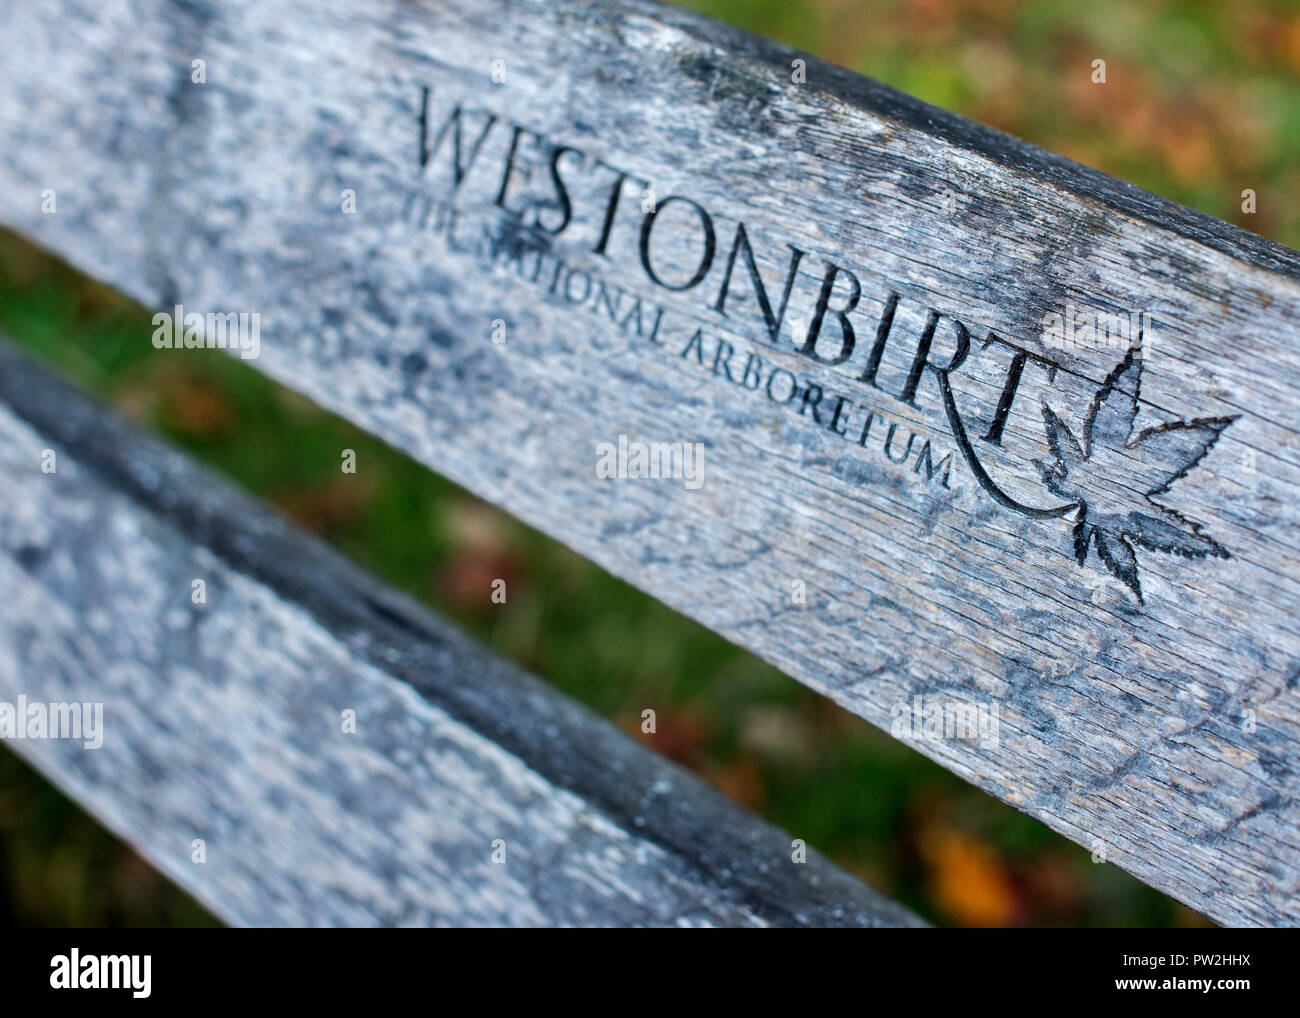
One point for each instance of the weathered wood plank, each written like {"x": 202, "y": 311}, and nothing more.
{"x": 1142, "y": 665}
{"x": 222, "y": 721}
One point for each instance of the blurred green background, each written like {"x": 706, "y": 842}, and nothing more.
{"x": 1201, "y": 102}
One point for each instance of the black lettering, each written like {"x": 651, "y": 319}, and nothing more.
{"x": 923, "y": 460}
{"x": 1007, "y": 398}
{"x": 922, "y": 359}
{"x": 1003, "y": 411}
{"x": 823, "y": 305}
{"x": 611, "y": 209}
{"x": 561, "y": 192}
{"x": 654, "y": 332}
{"x": 697, "y": 342}
{"x": 555, "y": 279}
{"x": 889, "y": 441}
{"x": 568, "y": 290}
{"x": 835, "y": 417}
{"x": 813, "y": 401}
{"x": 602, "y": 297}
{"x": 524, "y": 172}
{"x": 882, "y": 335}
{"x": 866, "y": 428}
{"x": 794, "y": 385}
{"x": 772, "y": 321}
{"x": 706, "y": 259}
{"x": 723, "y": 359}
{"x": 459, "y": 167}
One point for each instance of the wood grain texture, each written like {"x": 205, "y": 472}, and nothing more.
{"x": 1115, "y": 576}
{"x": 223, "y": 721}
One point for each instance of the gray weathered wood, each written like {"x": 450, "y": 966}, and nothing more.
{"x": 223, "y": 721}
{"x": 1146, "y": 696}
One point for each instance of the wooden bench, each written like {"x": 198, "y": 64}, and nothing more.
{"x": 999, "y": 453}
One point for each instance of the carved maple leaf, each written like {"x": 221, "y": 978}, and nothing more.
{"x": 1114, "y": 476}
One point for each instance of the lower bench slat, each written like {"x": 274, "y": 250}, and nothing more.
{"x": 223, "y": 722}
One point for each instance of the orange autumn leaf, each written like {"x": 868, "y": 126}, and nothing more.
{"x": 740, "y": 780}
{"x": 1287, "y": 42}
{"x": 968, "y": 881}
{"x": 468, "y": 577}
{"x": 196, "y": 408}
{"x": 327, "y": 507}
